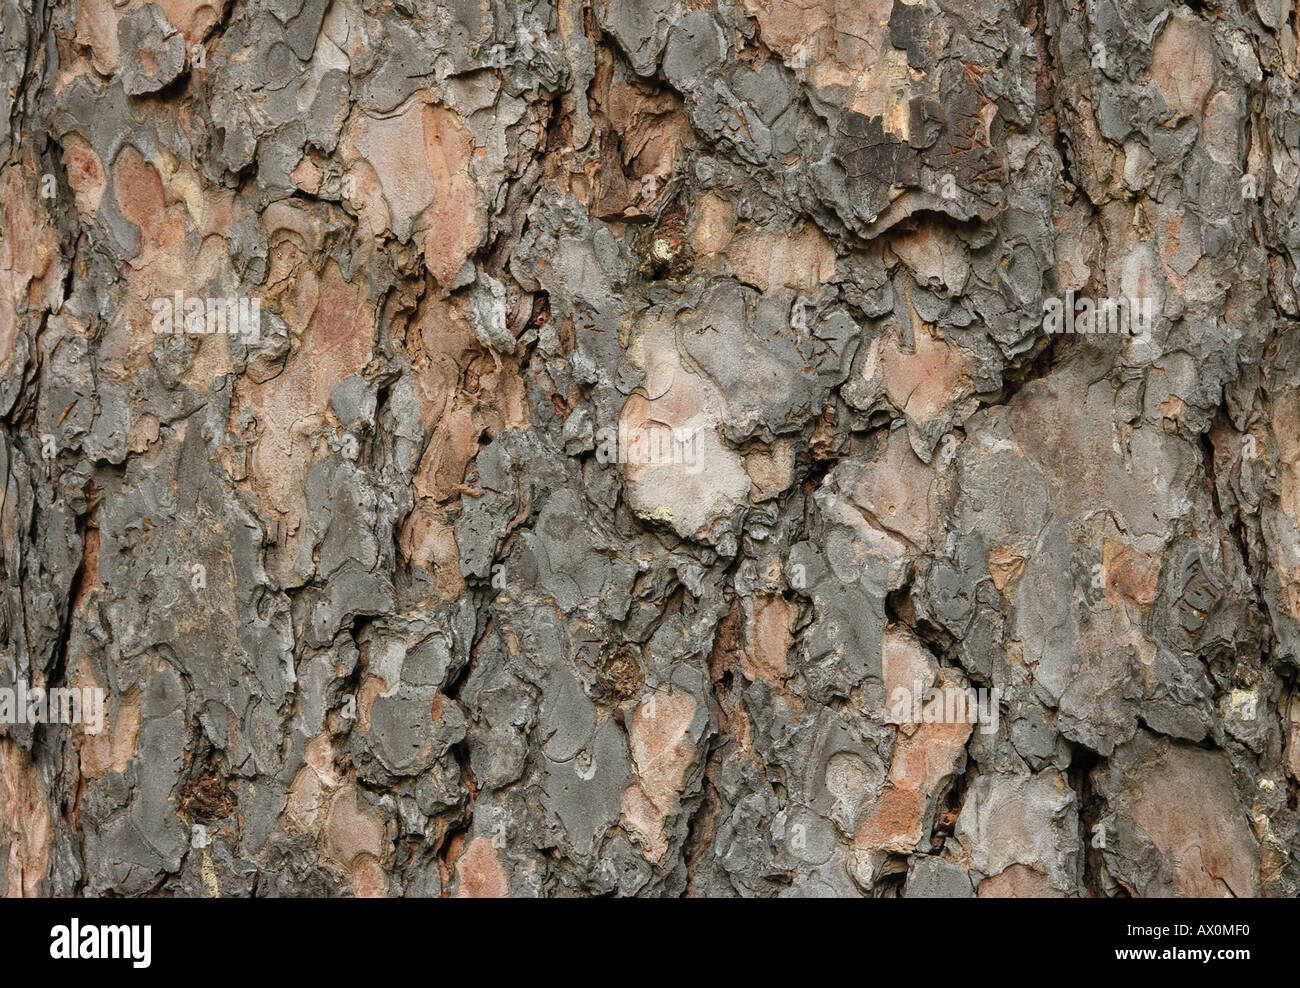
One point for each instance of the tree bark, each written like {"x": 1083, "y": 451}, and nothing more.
{"x": 649, "y": 447}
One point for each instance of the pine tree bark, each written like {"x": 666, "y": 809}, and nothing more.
{"x": 649, "y": 447}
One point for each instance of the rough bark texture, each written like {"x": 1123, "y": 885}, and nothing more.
{"x": 379, "y": 608}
